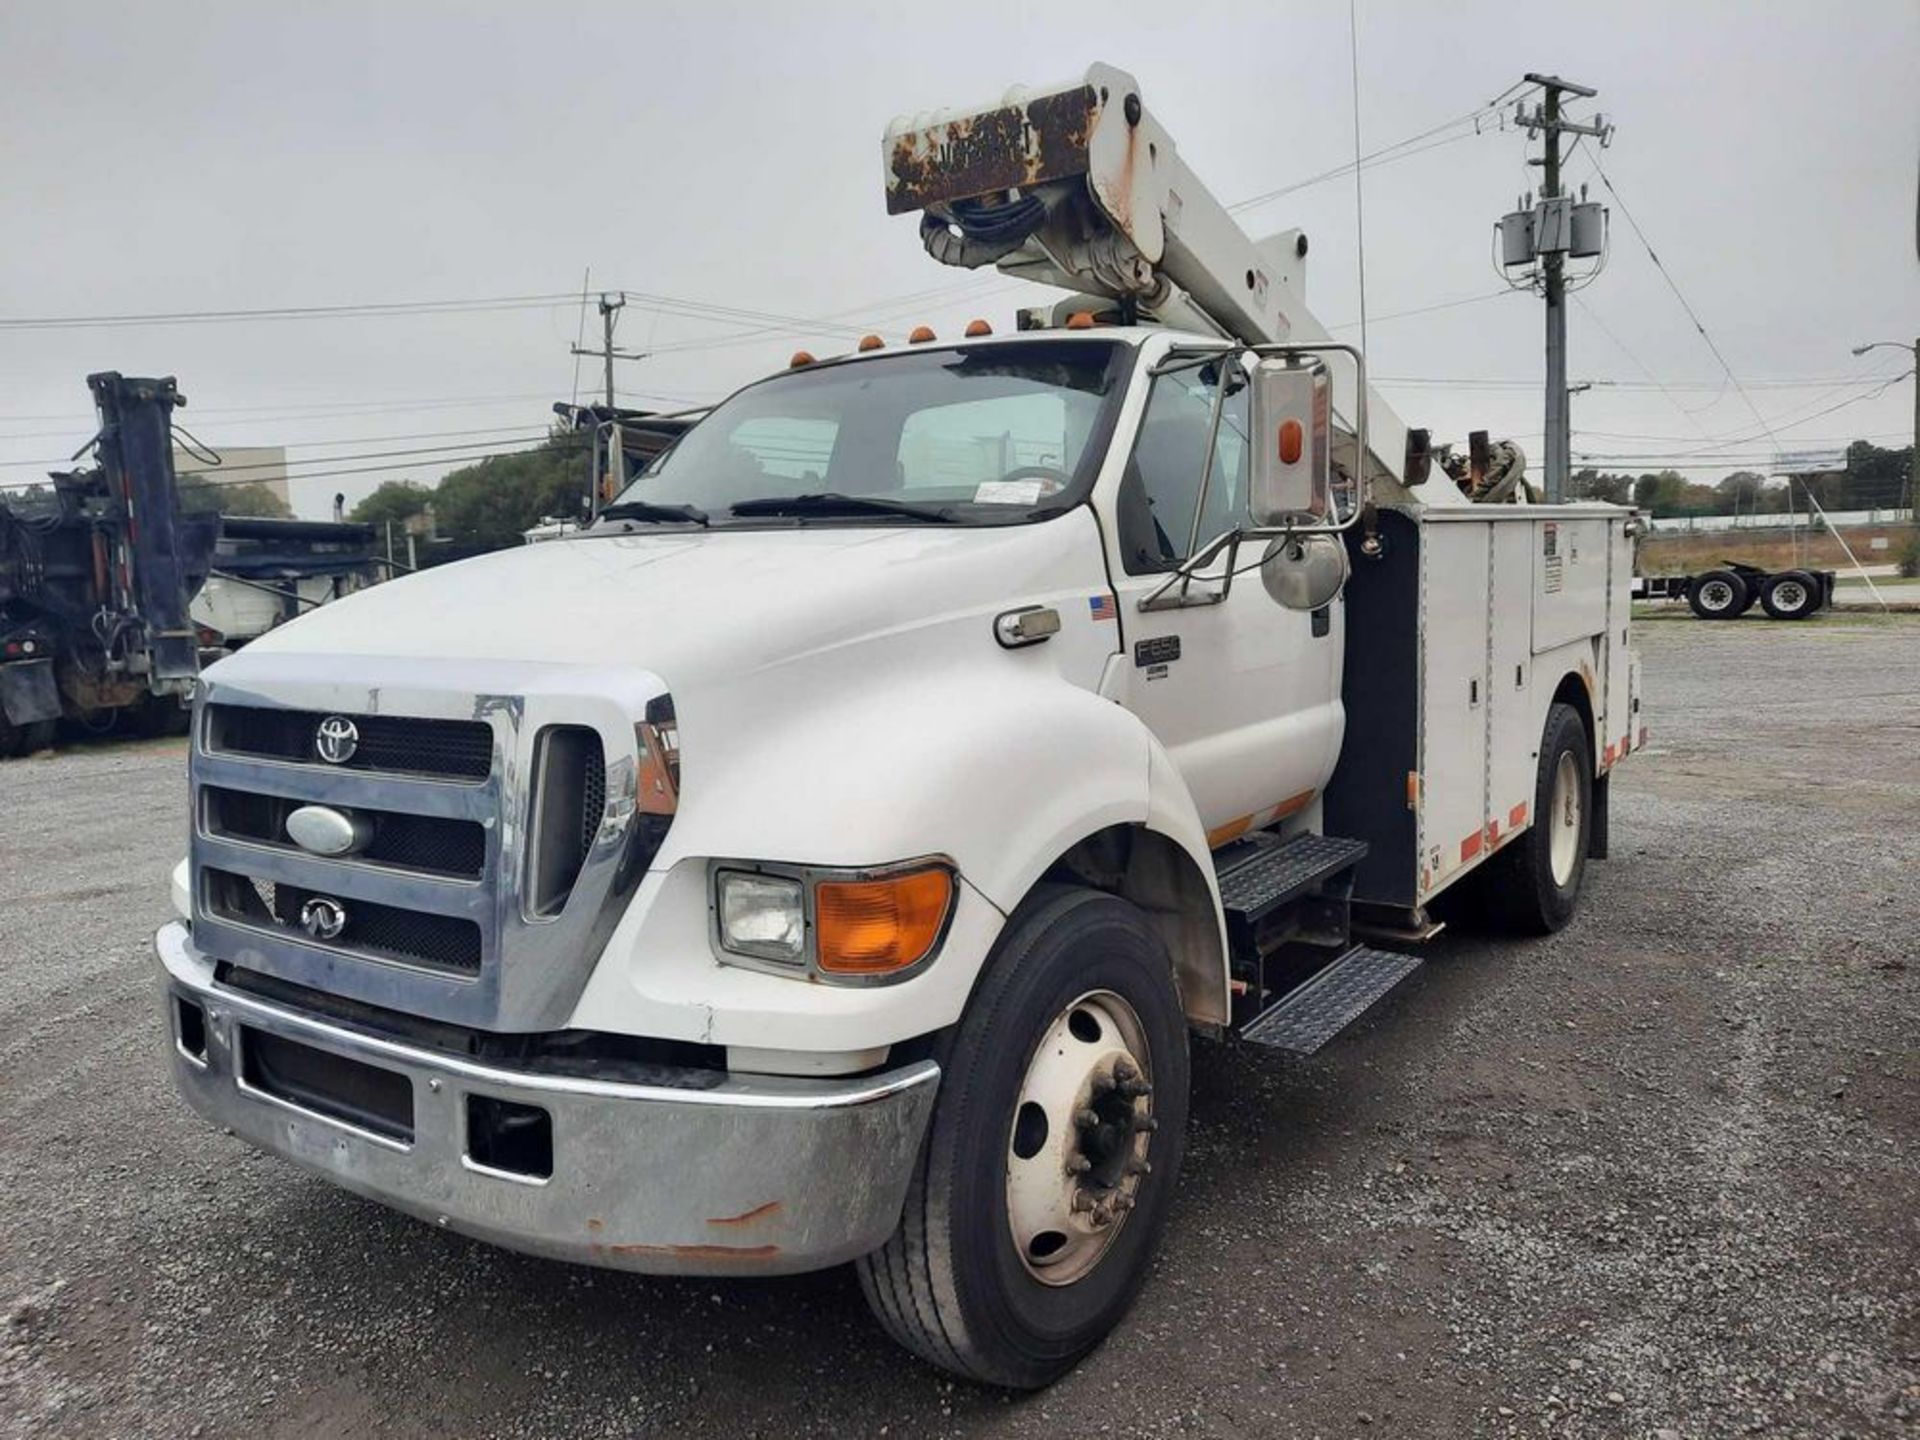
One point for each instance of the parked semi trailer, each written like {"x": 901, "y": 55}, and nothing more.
{"x": 1732, "y": 589}
{"x": 826, "y": 856}
{"x": 96, "y": 578}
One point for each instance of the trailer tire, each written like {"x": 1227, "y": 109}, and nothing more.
{"x": 1534, "y": 883}
{"x": 1719, "y": 595}
{"x": 1078, "y": 995}
{"x": 1790, "y": 595}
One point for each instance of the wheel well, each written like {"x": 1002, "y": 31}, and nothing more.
{"x": 1157, "y": 874}
{"x": 1573, "y": 690}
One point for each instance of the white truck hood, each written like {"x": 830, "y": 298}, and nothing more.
{"x": 695, "y": 605}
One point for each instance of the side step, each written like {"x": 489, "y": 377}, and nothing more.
{"x": 1257, "y": 879}
{"x": 1311, "y": 1014}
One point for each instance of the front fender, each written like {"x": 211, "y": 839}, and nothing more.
{"x": 1001, "y": 768}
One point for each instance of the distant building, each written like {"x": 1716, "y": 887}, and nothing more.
{"x": 249, "y": 464}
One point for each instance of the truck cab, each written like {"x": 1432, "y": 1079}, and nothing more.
{"x": 826, "y": 855}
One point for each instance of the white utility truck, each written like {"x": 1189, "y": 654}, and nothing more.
{"x": 825, "y": 855}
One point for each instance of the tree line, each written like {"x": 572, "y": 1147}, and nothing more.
{"x": 1874, "y": 479}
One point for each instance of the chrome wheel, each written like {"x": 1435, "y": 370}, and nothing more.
{"x": 1563, "y": 819}
{"x": 1077, "y": 1146}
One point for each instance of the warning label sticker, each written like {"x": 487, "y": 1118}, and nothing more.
{"x": 1550, "y": 553}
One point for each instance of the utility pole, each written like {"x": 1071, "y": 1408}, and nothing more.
{"x": 1552, "y": 231}
{"x": 606, "y": 478}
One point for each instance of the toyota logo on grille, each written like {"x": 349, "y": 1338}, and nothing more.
{"x": 336, "y": 739}
{"x": 322, "y": 918}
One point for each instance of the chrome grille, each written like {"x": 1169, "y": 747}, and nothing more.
{"x": 430, "y": 843}
{"x": 396, "y": 744}
{"x": 440, "y": 920}
{"x": 411, "y": 937}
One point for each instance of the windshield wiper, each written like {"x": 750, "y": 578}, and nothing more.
{"x": 832, "y": 502}
{"x": 647, "y": 510}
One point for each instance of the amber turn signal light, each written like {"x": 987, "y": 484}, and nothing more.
{"x": 977, "y": 328}
{"x": 1080, "y": 320}
{"x": 921, "y": 335}
{"x": 874, "y": 927}
{"x": 800, "y": 357}
{"x": 1292, "y": 441}
{"x": 870, "y": 342}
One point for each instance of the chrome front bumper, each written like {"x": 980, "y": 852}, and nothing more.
{"x": 744, "y": 1176}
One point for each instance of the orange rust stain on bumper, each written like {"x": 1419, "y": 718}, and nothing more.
{"x": 759, "y": 1212}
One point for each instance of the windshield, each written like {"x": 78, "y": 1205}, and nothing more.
{"x": 981, "y": 435}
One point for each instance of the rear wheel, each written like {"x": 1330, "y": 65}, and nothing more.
{"x": 1792, "y": 595}
{"x": 1051, "y": 1158}
{"x": 1535, "y": 883}
{"x": 1719, "y": 595}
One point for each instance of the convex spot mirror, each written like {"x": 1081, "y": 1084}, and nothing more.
{"x": 1304, "y": 571}
{"x": 1292, "y": 450}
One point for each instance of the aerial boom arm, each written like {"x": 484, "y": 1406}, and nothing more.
{"x": 1080, "y": 186}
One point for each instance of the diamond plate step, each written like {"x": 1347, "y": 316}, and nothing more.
{"x": 1271, "y": 875}
{"x": 1312, "y": 1014}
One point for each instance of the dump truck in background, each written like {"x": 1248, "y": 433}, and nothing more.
{"x": 267, "y": 571}
{"x": 826, "y": 855}
{"x": 96, "y": 578}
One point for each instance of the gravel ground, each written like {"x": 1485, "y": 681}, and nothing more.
{"x": 1656, "y": 1176}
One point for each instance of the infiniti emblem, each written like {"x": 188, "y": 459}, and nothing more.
{"x": 336, "y": 739}
{"x": 323, "y": 918}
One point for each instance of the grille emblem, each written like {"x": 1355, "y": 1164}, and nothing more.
{"x": 323, "y": 830}
{"x": 336, "y": 739}
{"x": 322, "y": 918}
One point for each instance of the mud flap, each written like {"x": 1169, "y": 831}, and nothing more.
{"x": 27, "y": 692}
{"x": 1597, "y": 828}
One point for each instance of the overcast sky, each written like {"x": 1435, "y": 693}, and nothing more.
{"x": 203, "y": 156}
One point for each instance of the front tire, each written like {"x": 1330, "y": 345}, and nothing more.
{"x": 1050, "y": 1162}
{"x": 1535, "y": 883}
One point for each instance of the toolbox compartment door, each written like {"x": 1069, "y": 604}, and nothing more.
{"x": 1570, "y": 565}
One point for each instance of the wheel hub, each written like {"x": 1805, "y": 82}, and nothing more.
{"x": 1082, "y": 1127}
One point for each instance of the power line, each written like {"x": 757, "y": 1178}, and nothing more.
{"x": 288, "y": 312}
{"x": 1386, "y": 153}
{"x": 461, "y": 460}
{"x": 1674, "y": 285}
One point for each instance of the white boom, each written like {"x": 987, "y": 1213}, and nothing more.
{"x": 1080, "y": 186}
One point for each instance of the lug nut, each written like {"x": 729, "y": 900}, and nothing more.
{"x": 1122, "y": 1203}
{"x": 1086, "y": 1119}
{"x": 1079, "y": 1165}
{"x": 1082, "y": 1202}
{"x": 1145, "y": 1124}
{"x": 1125, "y": 1069}
{"x": 1139, "y": 1167}
{"x": 1102, "y": 1085}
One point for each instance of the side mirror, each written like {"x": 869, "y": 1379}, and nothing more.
{"x": 1304, "y": 571}
{"x": 1292, "y": 453}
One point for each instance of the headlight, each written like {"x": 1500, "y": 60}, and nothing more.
{"x": 845, "y": 926}
{"x": 763, "y": 916}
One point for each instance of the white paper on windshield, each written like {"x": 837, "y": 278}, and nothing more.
{"x": 1007, "y": 492}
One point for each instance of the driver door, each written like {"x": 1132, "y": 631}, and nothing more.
{"x": 1244, "y": 693}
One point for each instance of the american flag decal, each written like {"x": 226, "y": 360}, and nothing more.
{"x": 1102, "y": 607}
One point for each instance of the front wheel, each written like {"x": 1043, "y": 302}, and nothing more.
{"x": 1535, "y": 882}
{"x": 1050, "y": 1162}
